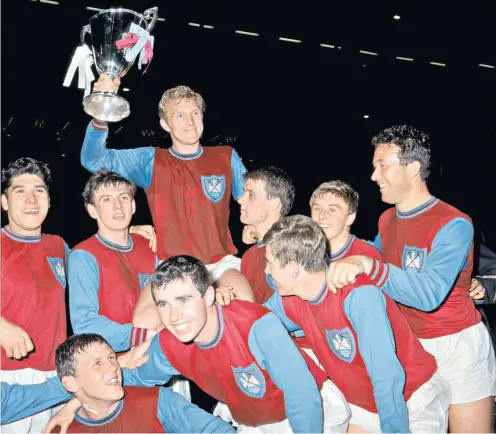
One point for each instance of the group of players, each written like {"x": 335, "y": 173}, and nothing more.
{"x": 313, "y": 330}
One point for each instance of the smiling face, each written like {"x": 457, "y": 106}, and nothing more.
{"x": 113, "y": 207}
{"x": 332, "y": 214}
{"x": 98, "y": 379}
{"x": 183, "y": 309}
{"x": 26, "y": 202}
{"x": 393, "y": 178}
{"x": 184, "y": 121}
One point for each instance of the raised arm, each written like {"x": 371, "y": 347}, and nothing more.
{"x": 136, "y": 165}
{"x": 156, "y": 371}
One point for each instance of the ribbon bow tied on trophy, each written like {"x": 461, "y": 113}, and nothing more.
{"x": 118, "y": 37}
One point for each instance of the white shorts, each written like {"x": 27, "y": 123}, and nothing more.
{"x": 336, "y": 411}
{"x": 336, "y": 414}
{"x": 226, "y": 263}
{"x": 466, "y": 361}
{"x": 35, "y": 423}
{"x": 427, "y": 409}
{"x": 180, "y": 385}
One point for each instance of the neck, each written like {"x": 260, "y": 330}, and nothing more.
{"x": 339, "y": 241}
{"x": 26, "y": 232}
{"x": 185, "y": 149}
{"x": 419, "y": 195}
{"x": 97, "y": 410}
{"x": 263, "y": 227}
{"x": 209, "y": 330}
{"x": 117, "y": 237}
{"x": 311, "y": 285}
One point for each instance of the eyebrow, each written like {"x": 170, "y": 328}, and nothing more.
{"x": 15, "y": 187}
{"x": 183, "y": 297}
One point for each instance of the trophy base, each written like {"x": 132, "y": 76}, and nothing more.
{"x": 106, "y": 106}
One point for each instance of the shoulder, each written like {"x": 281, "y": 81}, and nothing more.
{"x": 366, "y": 249}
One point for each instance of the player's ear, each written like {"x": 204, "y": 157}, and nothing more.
{"x": 350, "y": 219}
{"x": 91, "y": 211}
{"x": 70, "y": 384}
{"x": 5, "y": 205}
{"x": 209, "y": 296}
{"x": 164, "y": 125}
{"x": 295, "y": 269}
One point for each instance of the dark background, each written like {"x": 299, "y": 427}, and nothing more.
{"x": 297, "y": 106}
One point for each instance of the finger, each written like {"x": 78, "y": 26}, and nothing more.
{"x": 17, "y": 353}
{"x": 63, "y": 427}
{"x": 142, "y": 360}
{"x": 154, "y": 245}
{"x": 28, "y": 343}
{"x": 9, "y": 351}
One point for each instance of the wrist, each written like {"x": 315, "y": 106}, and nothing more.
{"x": 367, "y": 264}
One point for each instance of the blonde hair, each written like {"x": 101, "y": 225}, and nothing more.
{"x": 340, "y": 189}
{"x": 179, "y": 93}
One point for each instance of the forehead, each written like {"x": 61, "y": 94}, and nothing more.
{"x": 329, "y": 199}
{"x": 27, "y": 179}
{"x": 385, "y": 151}
{"x": 177, "y": 288}
{"x": 181, "y": 104}
{"x": 112, "y": 189}
{"x": 94, "y": 351}
{"x": 255, "y": 185}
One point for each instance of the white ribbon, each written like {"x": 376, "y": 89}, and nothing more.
{"x": 82, "y": 61}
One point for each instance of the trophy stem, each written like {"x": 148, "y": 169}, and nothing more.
{"x": 106, "y": 106}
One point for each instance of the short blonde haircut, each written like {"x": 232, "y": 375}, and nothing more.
{"x": 298, "y": 239}
{"x": 179, "y": 93}
{"x": 340, "y": 189}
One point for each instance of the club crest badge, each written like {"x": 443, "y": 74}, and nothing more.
{"x": 214, "y": 187}
{"x": 58, "y": 268}
{"x": 250, "y": 380}
{"x": 342, "y": 344}
{"x": 413, "y": 258}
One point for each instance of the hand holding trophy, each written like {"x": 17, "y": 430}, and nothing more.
{"x": 118, "y": 37}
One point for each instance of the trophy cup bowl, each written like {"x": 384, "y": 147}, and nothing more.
{"x": 106, "y": 28}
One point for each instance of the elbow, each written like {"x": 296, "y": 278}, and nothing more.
{"x": 88, "y": 163}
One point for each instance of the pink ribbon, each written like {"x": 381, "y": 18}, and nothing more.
{"x": 148, "y": 55}
{"x": 127, "y": 41}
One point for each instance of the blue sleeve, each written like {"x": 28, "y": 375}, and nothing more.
{"x": 136, "y": 165}
{"x": 274, "y": 303}
{"x": 276, "y": 353}
{"x": 67, "y": 253}
{"x": 377, "y": 243}
{"x": 238, "y": 168}
{"x": 366, "y": 309}
{"x": 84, "y": 281}
{"x": 427, "y": 289}
{"x": 156, "y": 371}
{"x": 20, "y": 401}
{"x": 178, "y": 415}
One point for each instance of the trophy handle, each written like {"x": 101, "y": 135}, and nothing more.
{"x": 151, "y": 14}
{"x": 86, "y": 29}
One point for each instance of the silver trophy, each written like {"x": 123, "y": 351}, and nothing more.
{"x": 118, "y": 37}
